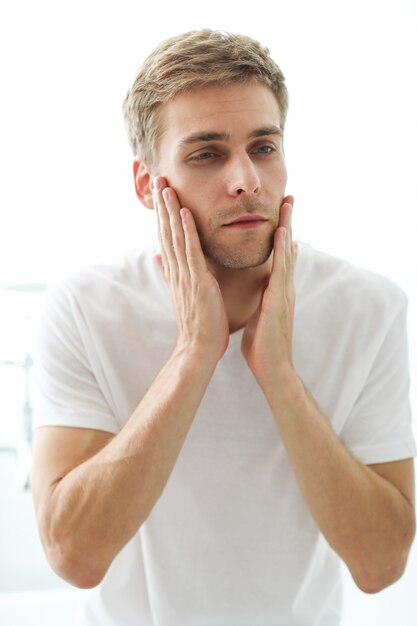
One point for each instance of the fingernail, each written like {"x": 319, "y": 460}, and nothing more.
{"x": 156, "y": 183}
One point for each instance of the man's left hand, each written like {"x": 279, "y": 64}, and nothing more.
{"x": 267, "y": 338}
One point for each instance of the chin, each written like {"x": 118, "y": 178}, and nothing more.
{"x": 238, "y": 259}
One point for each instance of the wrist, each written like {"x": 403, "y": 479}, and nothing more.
{"x": 284, "y": 389}
{"x": 195, "y": 359}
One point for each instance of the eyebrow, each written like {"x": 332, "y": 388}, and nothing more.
{"x": 203, "y": 136}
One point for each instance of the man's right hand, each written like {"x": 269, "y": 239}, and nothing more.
{"x": 125, "y": 474}
{"x": 199, "y": 308}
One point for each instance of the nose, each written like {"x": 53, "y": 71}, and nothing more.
{"x": 243, "y": 177}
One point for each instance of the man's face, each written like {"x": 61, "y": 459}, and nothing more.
{"x": 221, "y": 151}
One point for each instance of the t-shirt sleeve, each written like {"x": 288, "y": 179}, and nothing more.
{"x": 66, "y": 392}
{"x": 379, "y": 428}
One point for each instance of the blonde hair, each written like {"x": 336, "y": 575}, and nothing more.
{"x": 194, "y": 59}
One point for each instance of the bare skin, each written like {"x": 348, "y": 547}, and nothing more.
{"x": 366, "y": 513}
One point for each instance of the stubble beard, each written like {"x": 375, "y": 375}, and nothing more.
{"x": 253, "y": 249}
{"x": 244, "y": 256}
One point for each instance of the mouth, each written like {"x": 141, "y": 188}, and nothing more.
{"x": 246, "y": 221}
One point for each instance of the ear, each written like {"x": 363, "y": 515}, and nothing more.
{"x": 143, "y": 183}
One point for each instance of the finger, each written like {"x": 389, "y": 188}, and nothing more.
{"x": 286, "y": 222}
{"x": 289, "y": 252}
{"x": 289, "y": 262}
{"x": 164, "y": 229}
{"x": 177, "y": 232}
{"x": 290, "y": 200}
{"x": 278, "y": 274}
{"x": 193, "y": 250}
{"x": 162, "y": 216}
{"x": 285, "y": 215}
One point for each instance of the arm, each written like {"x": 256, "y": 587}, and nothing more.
{"x": 92, "y": 490}
{"x": 365, "y": 513}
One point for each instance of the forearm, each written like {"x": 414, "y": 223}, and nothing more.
{"x": 365, "y": 518}
{"x": 97, "y": 507}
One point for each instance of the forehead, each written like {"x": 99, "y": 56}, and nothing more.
{"x": 232, "y": 109}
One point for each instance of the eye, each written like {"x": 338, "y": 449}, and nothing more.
{"x": 265, "y": 149}
{"x": 203, "y": 156}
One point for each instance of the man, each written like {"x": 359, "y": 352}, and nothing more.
{"x": 209, "y": 449}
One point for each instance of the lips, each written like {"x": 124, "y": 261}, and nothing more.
{"x": 247, "y": 218}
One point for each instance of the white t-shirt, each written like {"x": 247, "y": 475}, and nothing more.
{"x": 231, "y": 541}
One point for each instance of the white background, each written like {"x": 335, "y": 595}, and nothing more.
{"x": 66, "y": 192}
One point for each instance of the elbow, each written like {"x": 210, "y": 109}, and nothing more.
{"x": 373, "y": 579}
{"x": 378, "y": 571}
{"x": 76, "y": 569}
{"x": 77, "y": 562}
{"x": 372, "y": 585}
{"x": 76, "y": 573}
{"x": 375, "y": 584}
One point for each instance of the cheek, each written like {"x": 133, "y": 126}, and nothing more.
{"x": 283, "y": 171}
{"x": 185, "y": 193}
{"x": 194, "y": 192}
{"x": 280, "y": 176}
{"x": 275, "y": 184}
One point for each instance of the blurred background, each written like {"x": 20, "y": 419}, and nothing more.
{"x": 67, "y": 197}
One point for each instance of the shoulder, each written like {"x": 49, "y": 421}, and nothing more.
{"x": 344, "y": 289}
{"x": 107, "y": 288}
{"x": 129, "y": 271}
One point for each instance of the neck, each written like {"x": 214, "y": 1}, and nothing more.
{"x": 242, "y": 290}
